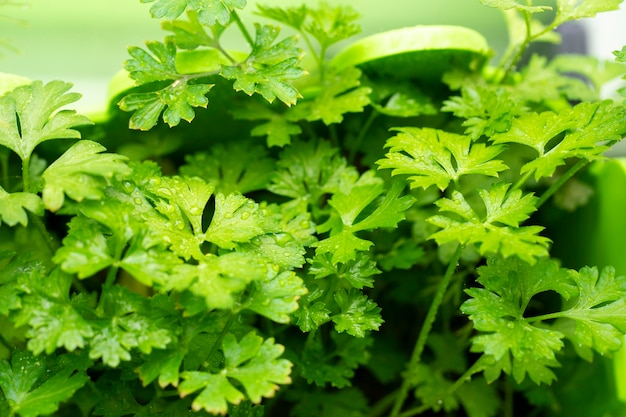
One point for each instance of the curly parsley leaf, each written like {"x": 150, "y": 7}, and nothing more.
{"x": 30, "y": 114}
{"x": 80, "y": 173}
{"x": 269, "y": 67}
{"x": 209, "y": 12}
{"x": 13, "y": 207}
{"x": 344, "y": 221}
{"x": 435, "y": 157}
{"x": 34, "y": 386}
{"x": 252, "y": 362}
{"x": 176, "y": 100}
{"x": 498, "y": 231}
{"x": 341, "y": 92}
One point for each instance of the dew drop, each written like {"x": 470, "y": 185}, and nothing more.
{"x": 228, "y": 215}
{"x": 137, "y": 201}
{"x": 245, "y": 215}
{"x": 304, "y": 224}
{"x": 128, "y": 185}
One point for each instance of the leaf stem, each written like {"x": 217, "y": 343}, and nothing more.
{"x": 359, "y": 139}
{"x": 474, "y": 369}
{"x": 424, "y": 332}
{"x": 231, "y": 319}
{"x": 564, "y": 178}
{"x": 549, "y": 316}
{"x": 46, "y": 236}
{"x": 242, "y": 28}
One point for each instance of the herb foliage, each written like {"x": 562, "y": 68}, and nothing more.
{"x": 377, "y": 252}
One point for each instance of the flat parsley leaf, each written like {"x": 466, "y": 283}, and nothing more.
{"x": 512, "y": 4}
{"x": 209, "y": 12}
{"x": 600, "y": 310}
{"x": 234, "y": 167}
{"x": 340, "y": 93}
{"x": 277, "y": 128}
{"x": 269, "y": 67}
{"x": 435, "y": 157}
{"x": 177, "y": 98}
{"x": 252, "y": 362}
{"x": 516, "y": 346}
{"x": 498, "y": 230}
{"x": 30, "y": 115}
{"x": 358, "y": 272}
{"x": 344, "y": 221}
{"x": 36, "y": 386}
{"x": 574, "y": 9}
{"x": 13, "y": 207}
{"x": 487, "y": 109}
{"x": 588, "y": 127}
{"x": 80, "y": 173}
{"x": 358, "y": 314}
{"x": 236, "y": 219}
{"x": 276, "y": 297}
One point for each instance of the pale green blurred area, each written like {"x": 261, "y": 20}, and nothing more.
{"x": 85, "y": 41}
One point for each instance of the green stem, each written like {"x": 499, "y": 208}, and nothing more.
{"x": 549, "y": 316}
{"x": 4, "y": 169}
{"x": 564, "y": 178}
{"x": 478, "y": 366}
{"x": 41, "y": 228}
{"x": 361, "y": 136}
{"x": 231, "y": 319}
{"x": 112, "y": 272}
{"x": 521, "y": 181}
{"x": 382, "y": 405}
{"x": 424, "y": 332}
{"x": 26, "y": 174}
{"x": 242, "y": 28}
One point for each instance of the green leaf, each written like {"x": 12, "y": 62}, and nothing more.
{"x": 334, "y": 363}
{"x": 127, "y": 321}
{"x": 600, "y": 311}
{"x": 496, "y": 232}
{"x": 290, "y": 16}
{"x": 30, "y": 115}
{"x": 80, "y": 173}
{"x": 435, "y": 157}
{"x": 340, "y": 93}
{"x": 312, "y": 312}
{"x": 237, "y": 219}
{"x": 13, "y": 207}
{"x": 358, "y": 272}
{"x": 236, "y": 167}
{"x": 177, "y": 98}
{"x": 278, "y": 129}
{"x": 36, "y": 386}
{"x": 487, "y": 109}
{"x": 331, "y": 23}
{"x": 512, "y": 4}
{"x": 308, "y": 170}
{"x": 269, "y": 67}
{"x": 252, "y": 362}
{"x": 220, "y": 279}
{"x": 209, "y": 12}
{"x": 348, "y": 205}
{"x": 358, "y": 315}
{"x": 85, "y": 250}
{"x": 588, "y": 126}
{"x": 276, "y": 297}
{"x": 574, "y": 9}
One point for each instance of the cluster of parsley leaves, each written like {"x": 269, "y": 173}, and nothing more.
{"x": 376, "y": 253}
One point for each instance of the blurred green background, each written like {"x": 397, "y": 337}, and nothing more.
{"x": 85, "y": 41}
